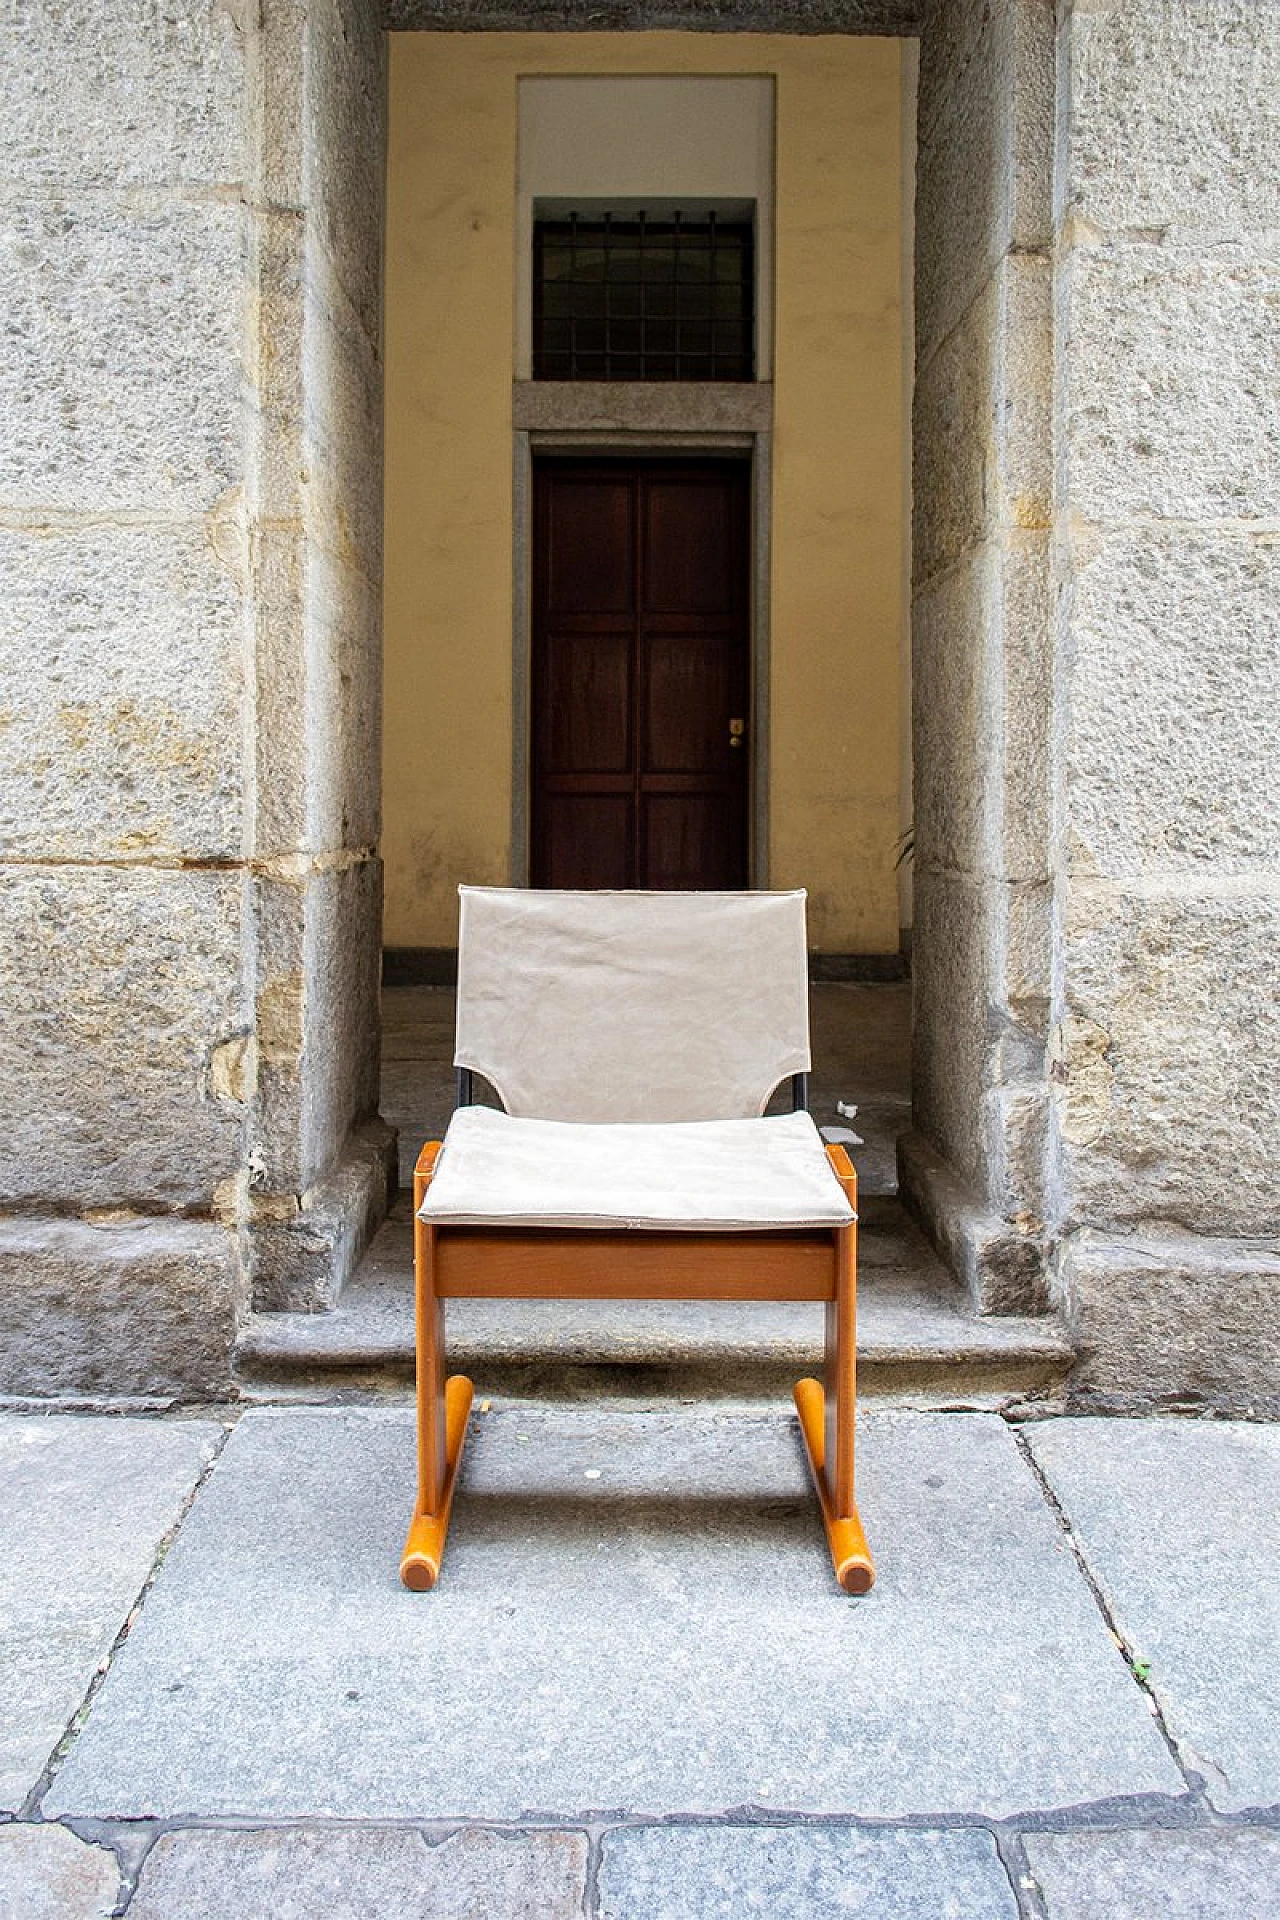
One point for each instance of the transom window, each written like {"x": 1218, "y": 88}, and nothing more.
{"x": 633, "y": 297}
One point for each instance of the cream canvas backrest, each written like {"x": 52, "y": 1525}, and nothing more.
{"x": 632, "y": 1006}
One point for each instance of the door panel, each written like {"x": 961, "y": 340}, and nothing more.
{"x": 589, "y": 840}
{"x": 685, "y": 836}
{"x": 588, "y": 705}
{"x": 589, "y": 562}
{"x": 690, "y": 550}
{"x": 640, "y": 651}
{"x": 687, "y": 692}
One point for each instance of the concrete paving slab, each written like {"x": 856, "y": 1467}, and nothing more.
{"x": 46, "y": 1873}
{"x": 801, "y": 1873}
{"x": 1217, "y": 1874}
{"x": 86, "y": 1503}
{"x": 637, "y": 1614}
{"x": 1179, "y": 1521}
{"x": 293, "y": 1874}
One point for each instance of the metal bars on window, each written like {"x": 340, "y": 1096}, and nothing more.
{"x": 631, "y": 298}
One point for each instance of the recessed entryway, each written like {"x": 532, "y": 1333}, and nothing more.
{"x": 640, "y": 674}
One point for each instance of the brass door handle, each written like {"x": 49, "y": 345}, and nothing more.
{"x": 737, "y": 731}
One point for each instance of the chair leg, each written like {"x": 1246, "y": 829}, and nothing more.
{"x": 826, "y": 1410}
{"x": 443, "y": 1407}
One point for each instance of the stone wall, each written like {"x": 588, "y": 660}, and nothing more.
{"x": 318, "y": 1161}
{"x": 977, "y": 1164}
{"x": 189, "y": 543}
{"x": 1166, "y": 1046}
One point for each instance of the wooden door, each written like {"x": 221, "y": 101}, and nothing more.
{"x": 640, "y": 674}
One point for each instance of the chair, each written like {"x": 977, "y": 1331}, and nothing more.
{"x": 634, "y": 1040}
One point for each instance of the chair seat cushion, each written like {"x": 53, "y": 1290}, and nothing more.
{"x": 691, "y": 1175}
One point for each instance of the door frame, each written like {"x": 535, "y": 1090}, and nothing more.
{"x": 748, "y": 436}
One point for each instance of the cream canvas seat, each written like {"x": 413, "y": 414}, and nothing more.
{"x": 634, "y": 1040}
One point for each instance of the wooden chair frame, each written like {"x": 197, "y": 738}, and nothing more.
{"x": 506, "y": 1263}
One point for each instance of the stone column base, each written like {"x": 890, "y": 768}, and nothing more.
{"x": 1002, "y": 1269}
{"x": 301, "y": 1262}
{"x": 139, "y": 1311}
{"x": 1169, "y": 1319}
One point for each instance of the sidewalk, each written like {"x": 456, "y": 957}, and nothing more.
{"x": 637, "y": 1692}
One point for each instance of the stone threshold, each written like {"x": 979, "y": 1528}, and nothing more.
{"x": 918, "y": 1338}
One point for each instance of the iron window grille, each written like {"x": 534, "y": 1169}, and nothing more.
{"x": 624, "y": 297}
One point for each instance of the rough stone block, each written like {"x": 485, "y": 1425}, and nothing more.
{"x": 139, "y": 1309}
{"x": 120, "y": 385}
{"x": 985, "y": 160}
{"x": 656, "y": 1582}
{"x": 955, "y": 631}
{"x": 1167, "y": 1067}
{"x": 1174, "y": 364}
{"x": 342, "y": 432}
{"x": 1182, "y": 1876}
{"x": 345, "y": 700}
{"x": 341, "y": 1007}
{"x": 1162, "y": 1318}
{"x": 1174, "y": 742}
{"x": 1180, "y": 1527}
{"x": 305, "y": 1249}
{"x": 47, "y": 1874}
{"x": 1024, "y": 675}
{"x": 134, "y": 637}
{"x": 281, "y": 745}
{"x": 124, "y": 96}
{"x": 317, "y": 1003}
{"x": 954, "y": 474}
{"x": 345, "y": 134}
{"x": 703, "y": 1873}
{"x": 1173, "y": 122}
{"x": 1000, "y": 1263}
{"x": 121, "y": 985}
{"x": 87, "y": 1504}
{"x": 951, "y": 993}
{"x": 296, "y": 1874}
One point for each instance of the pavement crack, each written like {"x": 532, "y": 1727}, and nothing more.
{"x": 1138, "y": 1669}
{"x": 31, "y": 1806}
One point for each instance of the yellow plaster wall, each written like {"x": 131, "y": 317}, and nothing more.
{"x": 841, "y": 438}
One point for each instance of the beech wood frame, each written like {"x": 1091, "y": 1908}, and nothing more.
{"x": 498, "y": 1262}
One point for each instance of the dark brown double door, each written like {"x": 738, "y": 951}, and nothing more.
{"x": 640, "y": 674}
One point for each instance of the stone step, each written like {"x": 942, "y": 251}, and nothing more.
{"x": 917, "y": 1338}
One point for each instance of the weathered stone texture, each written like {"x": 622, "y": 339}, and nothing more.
{"x": 1179, "y": 1526}
{"x": 1174, "y": 122}
{"x": 1174, "y": 367}
{"x": 86, "y": 1505}
{"x": 985, "y": 108}
{"x": 345, "y": 688}
{"x": 121, "y": 678}
{"x": 952, "y": 696}
{"x": 953, "y": 478}
{"x": 123, "y": 96}
{"x": 703, "y": 1873}
{"x": 730, "y": 16}
{"x": 950, "y": 1016}
{"x": 296, "y": 1874}
{"x": 1181, "y": 1876}
{"x": 120, "y": 380}
{"x": 1174, "y": 753}
{"x": 47, "y": 1874}
{"x": 342, "y": 1018}
{"x": 345, "y": 112}
{"x": 1163, "y": 1318}
{"x": 342, "y": 439}
{"x": 119, "y": 986}
{"x": 1165, "y": 1065}
{"x": 117, "y": 1311}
